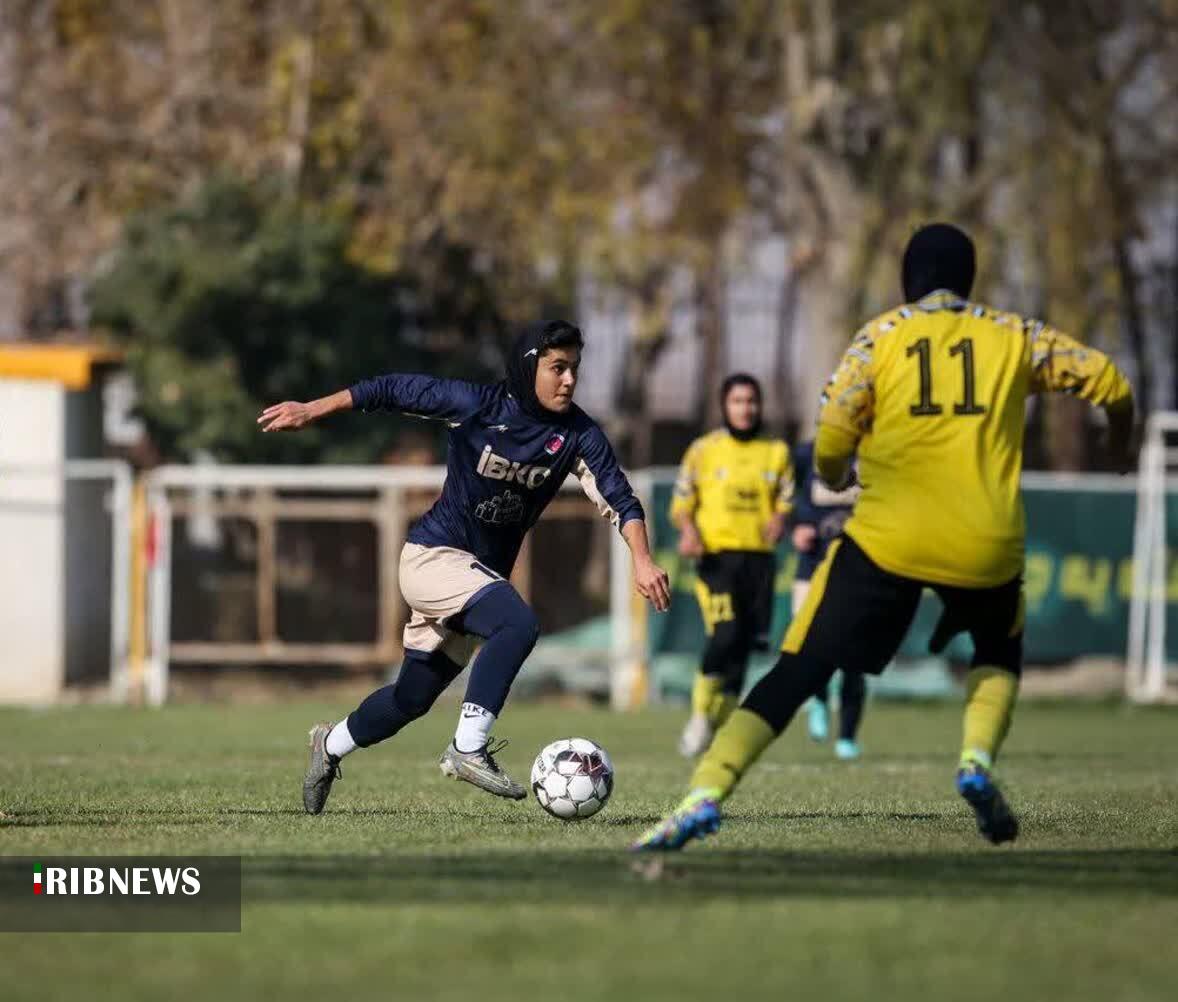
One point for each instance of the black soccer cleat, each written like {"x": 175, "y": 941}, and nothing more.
{"x": 322, "y": 771}
{"x": 996, "y": 821}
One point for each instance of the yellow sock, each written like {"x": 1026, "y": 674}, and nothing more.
{"x": 722, "y": 708}
{"x": 989, "y": 705}
{"x": 709, "y": 700}
{"x": 705, "y": 691}
{"x": 736, "y": 746}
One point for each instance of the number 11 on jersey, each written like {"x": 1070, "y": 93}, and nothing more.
{"x": 921, "y": 349}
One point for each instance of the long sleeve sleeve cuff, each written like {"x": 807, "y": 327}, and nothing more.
{"x": 833, "y": 449}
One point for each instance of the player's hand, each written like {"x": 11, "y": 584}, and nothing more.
{"x": 804, "y": 537}
{"x": 690, "y": 543}
{"x": 1122, "y": 458}
{"x": 287, "y": 416}
{"x": 653, "y": 584}
{"x": 1123, "y": 447}
{"x": 774, "y": 530}
{"x": 1123, "y": 441}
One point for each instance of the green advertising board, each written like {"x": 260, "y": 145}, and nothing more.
{"x": 1079, "y": 572}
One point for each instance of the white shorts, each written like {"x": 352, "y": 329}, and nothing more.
{"x": 437, "y": 582}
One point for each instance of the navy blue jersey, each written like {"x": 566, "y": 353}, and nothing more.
{"x": 819, "y": 506}
{"x": 503, "y": 466}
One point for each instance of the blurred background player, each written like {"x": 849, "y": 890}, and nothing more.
{"x": 730, "y": 505}
{"x": 818, "y": 518}
{"x": 511, "y": 445}
{"x": 932, "y": 398}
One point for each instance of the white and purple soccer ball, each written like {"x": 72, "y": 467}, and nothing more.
{"x": 572, "y": 778}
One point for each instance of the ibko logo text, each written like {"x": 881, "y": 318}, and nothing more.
{"x": 498, "y": 468}
{"x": 116, "y": 881}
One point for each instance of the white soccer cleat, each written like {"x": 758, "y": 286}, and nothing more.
{"x": 696, "y": 737}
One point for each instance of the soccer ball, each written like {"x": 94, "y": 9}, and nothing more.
{"x": 572, "y": 778}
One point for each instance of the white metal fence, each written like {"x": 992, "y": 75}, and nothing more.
{"x": 387, "y": 497}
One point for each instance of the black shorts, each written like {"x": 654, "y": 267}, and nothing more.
{"x": 856, "y": 615}
{"x": 736, "y": 586}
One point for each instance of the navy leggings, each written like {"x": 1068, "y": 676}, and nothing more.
{"x": 509, "y": 630}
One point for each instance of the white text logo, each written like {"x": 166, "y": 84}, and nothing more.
{"x": 131, "y": 881}
{"x": 498, "y": 468}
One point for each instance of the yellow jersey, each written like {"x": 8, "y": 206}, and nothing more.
{"x": 731, "y": 488}
{"x": 935, "y": 394}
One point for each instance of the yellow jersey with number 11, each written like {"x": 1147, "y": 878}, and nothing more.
{"x": 935, "y": 392}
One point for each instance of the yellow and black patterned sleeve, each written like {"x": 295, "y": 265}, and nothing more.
{"x": 848, "y": 402}
{"x": 786, "y": 482}
{"x": 1061, "y": 364}
{"x": 685, "y": 495}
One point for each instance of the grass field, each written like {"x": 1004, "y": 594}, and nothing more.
{"x": 827, "y": 881}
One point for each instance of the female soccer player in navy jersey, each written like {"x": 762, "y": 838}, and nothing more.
{"x": 511, "y": 445}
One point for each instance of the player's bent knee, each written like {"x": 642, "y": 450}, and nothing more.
{"x": 520, "y": 624}
{"x": 500, "y": 611}
{"x": 529, "y": 628}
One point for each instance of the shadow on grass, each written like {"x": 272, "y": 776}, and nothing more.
{"x": 150, "y": 817}
{"x": 760, "y": 817}
{"x": 606, "y": 878}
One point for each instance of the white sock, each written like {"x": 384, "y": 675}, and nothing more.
{"x": 474, "y": 727}
{"x": 339, "y": 742}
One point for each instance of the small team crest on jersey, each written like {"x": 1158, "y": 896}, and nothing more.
{"x": 554, "y": 444}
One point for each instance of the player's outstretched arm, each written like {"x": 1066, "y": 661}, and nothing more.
{"x": 650, "y": 579}
{"x": 1060, "y": 364}
{"x": 291, "y": 415}
{"x": 422, "y": 396}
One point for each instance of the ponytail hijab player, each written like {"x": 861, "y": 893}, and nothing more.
{"x": 511, "y": 445}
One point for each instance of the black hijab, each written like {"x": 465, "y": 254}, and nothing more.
{"x": 938, "y": 256}
{"x": 741, "y": 379}
{"x": 524, "y": 356}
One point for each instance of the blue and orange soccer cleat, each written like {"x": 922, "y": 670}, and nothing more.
{"x": 996, "y": 821}
{"x": 698, "y": 815}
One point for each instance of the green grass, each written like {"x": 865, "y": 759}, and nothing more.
{"x": 827, "y": 881}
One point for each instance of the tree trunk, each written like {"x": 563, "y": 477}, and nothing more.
{"x": 302, "y": 56}
{"x": 710, "y": 330}
{"x": 782, "y": 386}
{"x": 1174, "y": 311}
{"x": 652, "y": 316}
